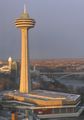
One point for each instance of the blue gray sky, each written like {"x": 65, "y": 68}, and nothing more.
{"x": 58, "y": 33}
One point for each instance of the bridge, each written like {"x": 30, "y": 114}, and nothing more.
{"x": 60, "y": 75}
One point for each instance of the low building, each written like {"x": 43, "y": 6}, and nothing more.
{"x": 48, "y": 104}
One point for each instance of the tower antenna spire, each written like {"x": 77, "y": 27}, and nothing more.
{"x": 25, "y": 8}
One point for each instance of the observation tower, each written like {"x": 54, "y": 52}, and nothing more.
{"x": 24, "y": 22}
{"x": 43, "y": 103}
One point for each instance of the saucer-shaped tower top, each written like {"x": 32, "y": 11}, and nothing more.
{"x": 25, "y": 20}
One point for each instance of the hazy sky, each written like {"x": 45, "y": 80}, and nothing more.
{"x": 58, "y": 33}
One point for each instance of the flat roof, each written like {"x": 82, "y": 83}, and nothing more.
{"x": 46, "y": 95}
{"x": 54, "y": 95}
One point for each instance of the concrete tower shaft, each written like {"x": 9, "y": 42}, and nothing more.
{"x": 24, "y": 23}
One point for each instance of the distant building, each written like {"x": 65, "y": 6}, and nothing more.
{"x": 6, "y": 66}
{"x": 10, "y": 62}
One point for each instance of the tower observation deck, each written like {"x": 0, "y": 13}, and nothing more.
{"x": 24, "y": 22}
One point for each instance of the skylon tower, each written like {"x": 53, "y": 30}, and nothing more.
{"x": 24, "y": 23}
